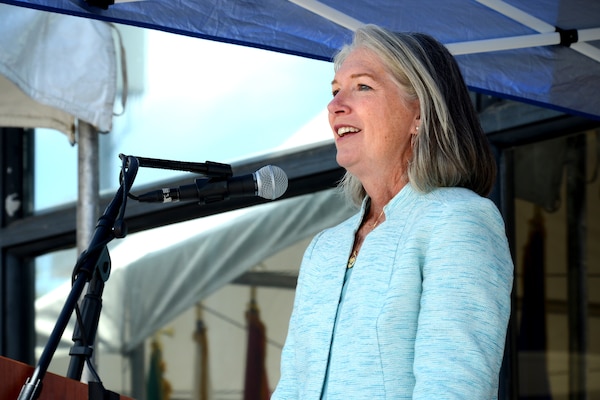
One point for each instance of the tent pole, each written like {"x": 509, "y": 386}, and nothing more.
{"x": 583, "y": 35}
{"x": 518, "y": 15}
{"x": 527, "y": 41}
{"x": 329, "y": 13}
{"x": 137, "y": 358}
{"x": 88, "y": 191}
{"x": 88, "y": 184}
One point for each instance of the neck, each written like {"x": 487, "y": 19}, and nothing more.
{"x": 380, "y": 195}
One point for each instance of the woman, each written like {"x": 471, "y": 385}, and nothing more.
{"x": 410, "y": 298}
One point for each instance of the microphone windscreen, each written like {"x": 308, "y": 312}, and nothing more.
{"x": 271, "y": 182}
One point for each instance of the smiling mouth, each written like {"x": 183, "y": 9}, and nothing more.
{"x": 346, "y": 129}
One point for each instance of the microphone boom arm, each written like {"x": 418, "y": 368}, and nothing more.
{"x": 209, "y": 168}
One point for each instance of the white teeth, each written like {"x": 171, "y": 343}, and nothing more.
{"x": 346, "y": 129}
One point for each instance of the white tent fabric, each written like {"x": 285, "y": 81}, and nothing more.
{"x": 187, "y": 262}
{"x": 64, "y": 62}
{"x": 19, "y": 110}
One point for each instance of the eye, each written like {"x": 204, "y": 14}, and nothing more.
{"x": 335, "y": 91}
{"x": 363, "y": 87}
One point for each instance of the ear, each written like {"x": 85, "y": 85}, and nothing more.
{"x": 417, "y": 122}
{"x": 417, "y": 115}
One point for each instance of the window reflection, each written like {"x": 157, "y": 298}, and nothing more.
{"x": 558, "y": 267}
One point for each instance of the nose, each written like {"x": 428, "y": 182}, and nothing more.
{"x": 338, "y": 105}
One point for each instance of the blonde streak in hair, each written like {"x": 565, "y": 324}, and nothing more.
{"x": 435, "y": 122}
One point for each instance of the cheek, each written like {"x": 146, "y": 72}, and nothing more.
{"x": 397, "y": 135}
{"x": 390, "y": 126}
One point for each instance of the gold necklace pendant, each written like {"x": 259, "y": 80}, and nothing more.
{"x": 354, "y": 254}
{"x": 352, "y": 259}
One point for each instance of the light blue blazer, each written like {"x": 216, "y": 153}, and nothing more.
{"x": 426, "y": 309}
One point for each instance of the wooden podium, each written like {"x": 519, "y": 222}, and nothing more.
{"x": 14, "y": 374}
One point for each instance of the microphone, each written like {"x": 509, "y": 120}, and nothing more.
{"x": 269, "y": 182}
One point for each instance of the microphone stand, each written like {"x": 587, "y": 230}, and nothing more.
{"x": 92, "y": 266}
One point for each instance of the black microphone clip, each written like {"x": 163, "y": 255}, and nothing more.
{"x": 203, "y": 190}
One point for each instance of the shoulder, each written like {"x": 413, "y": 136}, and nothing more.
{"x": 444, "y": 204}
{"x": 447, "y": 199}
{"x": 451, "y": 215}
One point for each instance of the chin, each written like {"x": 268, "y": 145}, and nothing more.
{"x": 342, "y": 161}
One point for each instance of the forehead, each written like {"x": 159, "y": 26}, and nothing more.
{"x": 361, "y": 61}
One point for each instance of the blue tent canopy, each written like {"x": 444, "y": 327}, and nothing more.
{"x": 545, "y": 52}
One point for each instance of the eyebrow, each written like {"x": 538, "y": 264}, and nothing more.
{"x": 359, "y": 75}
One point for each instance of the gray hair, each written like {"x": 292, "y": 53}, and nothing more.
{"x": 450, "y": 148}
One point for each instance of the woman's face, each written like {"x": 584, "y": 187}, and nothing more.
{"x": 371, "y": 119}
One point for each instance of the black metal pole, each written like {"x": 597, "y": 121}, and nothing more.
{"x": 503, "y": 197}
{"x": 577, "y": 271}
{"x": 17, "y": 273}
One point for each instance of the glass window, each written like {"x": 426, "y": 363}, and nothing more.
{"x": 558, "y": 267}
